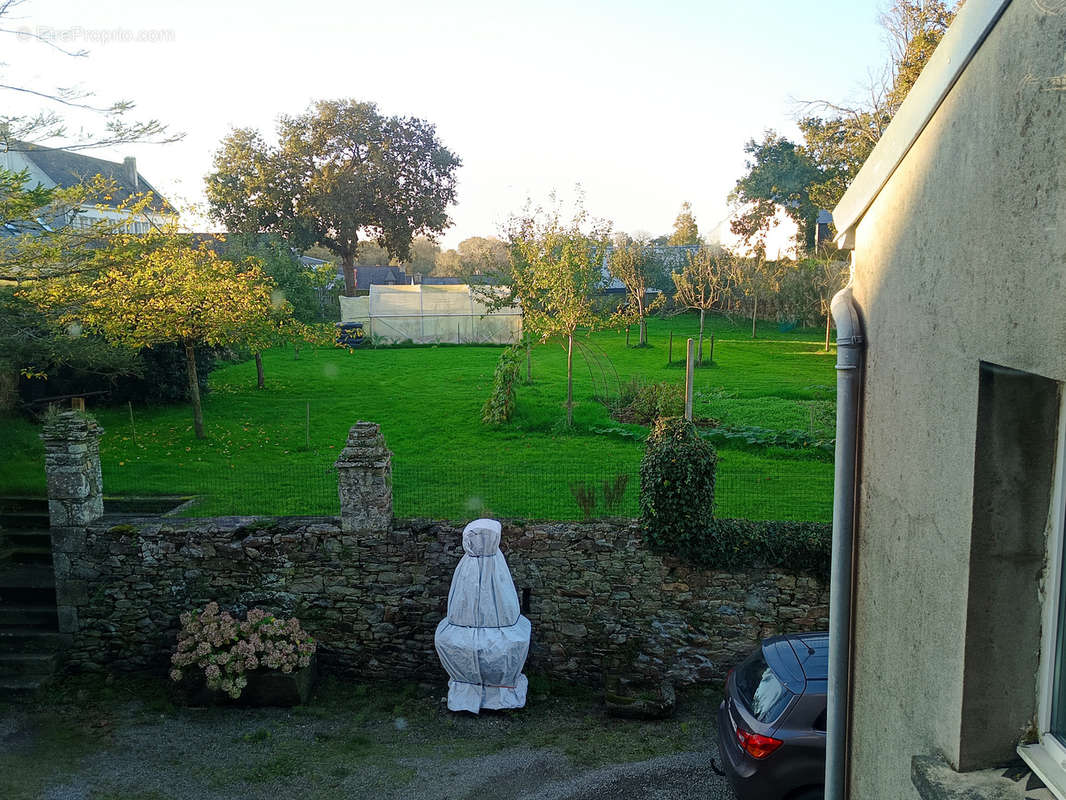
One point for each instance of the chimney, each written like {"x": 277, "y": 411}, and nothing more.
{"x": 129, "y": 165}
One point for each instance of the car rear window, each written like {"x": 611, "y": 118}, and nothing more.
{"x": 760, "y": 689}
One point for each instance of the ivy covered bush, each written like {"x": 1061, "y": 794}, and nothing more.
{"x": 677, "y": 479}
{"x": 500, "y": 404}
{"x": 677, "y": 476}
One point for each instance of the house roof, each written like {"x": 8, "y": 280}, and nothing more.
{"x": 365, "y": 276}
{"x": 67, "y": 169}
{"x": 963, "y": 39}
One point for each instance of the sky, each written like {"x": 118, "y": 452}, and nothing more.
{"x": 644, "y": 104}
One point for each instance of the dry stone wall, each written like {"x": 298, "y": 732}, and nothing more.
{"x": 598, "y": 600}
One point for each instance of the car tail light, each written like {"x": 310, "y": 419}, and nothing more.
{"x": 755, "y": 745}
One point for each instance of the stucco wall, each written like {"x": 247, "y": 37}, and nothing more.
{"x": 961, "y": 259}
{"x": 597, "y": 598}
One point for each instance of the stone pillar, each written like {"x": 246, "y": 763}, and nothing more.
{"x": 72, "y": 466}
{"x": 364, "y": 480}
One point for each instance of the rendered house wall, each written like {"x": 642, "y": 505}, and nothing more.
{"x": 960, "y": 260}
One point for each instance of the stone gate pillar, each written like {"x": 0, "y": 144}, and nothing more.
{"x": 72, "y": 466}
{"x": 364, "y": 480}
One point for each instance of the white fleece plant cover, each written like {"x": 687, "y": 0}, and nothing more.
{"x": 484, "y": 640}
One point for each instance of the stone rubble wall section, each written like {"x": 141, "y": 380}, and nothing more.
{"x": 598, "y": 600}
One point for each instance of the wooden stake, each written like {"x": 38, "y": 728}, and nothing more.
{"x": 670, "y": 358}
{"x": 627, "y": 336}
{"x": 134, "y": 427}
{"x": 688, "y": 382}
{"x": 711, "y": 357}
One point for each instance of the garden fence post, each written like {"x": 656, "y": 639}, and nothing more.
{"x": 688, "y": 383}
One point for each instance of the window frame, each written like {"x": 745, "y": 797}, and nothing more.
{"x": 1047, "y": 755}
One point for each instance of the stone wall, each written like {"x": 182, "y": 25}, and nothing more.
{"x": 597, "y": 599}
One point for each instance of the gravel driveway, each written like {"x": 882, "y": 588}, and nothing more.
{"x": 86, "y": 740}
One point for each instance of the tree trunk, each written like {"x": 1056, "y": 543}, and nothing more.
{"x": 642, "y": 337}
{"x": 259, "y": 383}
{"x": 754, "y": 312}
{"x": 570, "y": 380}
{"x": 828, "y": 318}
{"x": 699, "y": 356}
{"x": 348, "y": 265}
{"x": 296, "y": 352}
{"x": 194, "y": 391}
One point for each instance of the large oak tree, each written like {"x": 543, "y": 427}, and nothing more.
{"x": 340, "y": 173}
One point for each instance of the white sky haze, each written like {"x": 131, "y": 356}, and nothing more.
{"x": 644, "y": 104}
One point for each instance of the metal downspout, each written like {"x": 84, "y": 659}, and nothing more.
{"x": 851, "y": 346}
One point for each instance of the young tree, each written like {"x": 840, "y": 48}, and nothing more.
{"x": 831, "y": 273}
{"x": 555, "y": 275}
{"x": 751, "y": 278}
{"x": 701, "y": 284}
{"x": 341, "y": 173}
{"x": 165, "y": 293}
{"x": 634, "y": 265}
{"x": 686, "y": 232}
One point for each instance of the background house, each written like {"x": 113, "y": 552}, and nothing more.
{"x": 958, "y": 642}
{"x": 52, "y": 168}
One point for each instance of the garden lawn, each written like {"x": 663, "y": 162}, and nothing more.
{"x": 271, "y": 451}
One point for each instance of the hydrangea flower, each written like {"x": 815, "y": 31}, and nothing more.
{"x": 225, "y": 649}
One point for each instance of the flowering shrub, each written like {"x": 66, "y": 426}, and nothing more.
{"x": 226, "y": 649}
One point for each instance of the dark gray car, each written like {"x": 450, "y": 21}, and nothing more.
{"x": 771, "y": 725}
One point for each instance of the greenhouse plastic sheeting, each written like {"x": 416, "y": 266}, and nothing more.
{"x": 430, "y": 314}
{"x": 484, "y": 640}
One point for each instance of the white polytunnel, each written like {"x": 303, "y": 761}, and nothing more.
{"x": 484, "y": 640}
{"x": 425, "y": 313}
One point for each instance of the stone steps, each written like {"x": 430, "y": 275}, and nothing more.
{"x": 28, "y": 617}
{"x": 19, "y": 640}
{"x": 26, "y": 576}
{"x": 23, "y": 554}
{"x": 24, "y": 520}
{"x": 30, "y": 666}
{"x": 26, "y": 538}
{"x": 30, "y": 642}
{"x": 19, "y": 687}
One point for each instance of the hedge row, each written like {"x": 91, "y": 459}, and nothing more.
{"x": 749, "y": 544}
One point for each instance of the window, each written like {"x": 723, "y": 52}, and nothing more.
{"x": 1014, "y": 477}
{"x": 761, "y": 689}
{"x": 1047, "y": 755}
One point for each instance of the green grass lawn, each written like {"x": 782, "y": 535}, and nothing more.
{"x": 428, "y": 401}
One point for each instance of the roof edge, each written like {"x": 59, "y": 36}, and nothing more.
{"x": 961, "y": 41}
